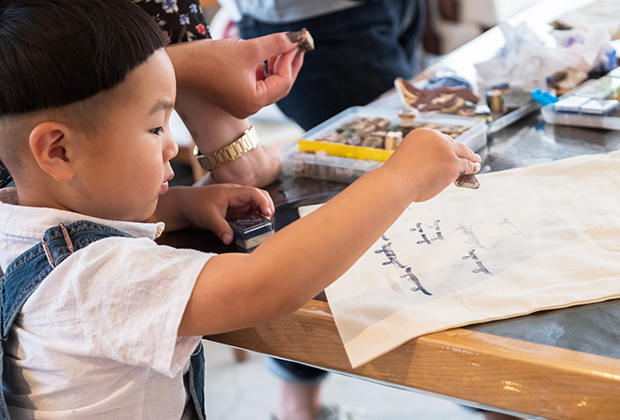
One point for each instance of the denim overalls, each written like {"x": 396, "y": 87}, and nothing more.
{"x": 26, "y": 272}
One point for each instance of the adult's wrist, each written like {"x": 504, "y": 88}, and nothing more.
{"x": 183, "y": 57}
{"x": 257, "y": 168}
{"x": 211, "y": 126}
{"x": 226, "y": 154}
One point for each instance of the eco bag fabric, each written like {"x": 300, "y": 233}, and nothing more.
{"x": 534, "y": 238}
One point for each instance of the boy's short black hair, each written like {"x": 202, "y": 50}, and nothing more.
{"x": 57, "y": 52}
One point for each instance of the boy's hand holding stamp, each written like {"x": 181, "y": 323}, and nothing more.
{"x": 211, "y": 206}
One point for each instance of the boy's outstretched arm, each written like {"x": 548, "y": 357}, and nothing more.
{"x": 239, "y": 290}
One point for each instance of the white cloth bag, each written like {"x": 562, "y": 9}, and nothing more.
{"x": 534, "y": 238}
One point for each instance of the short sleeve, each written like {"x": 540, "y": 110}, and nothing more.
{"x": 131, "y": 295}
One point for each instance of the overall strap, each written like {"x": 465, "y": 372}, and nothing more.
{"x": 197, "y": 381}
{"x": 27, "y": 272}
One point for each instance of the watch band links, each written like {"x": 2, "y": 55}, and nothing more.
{"x": 248, "y": 141}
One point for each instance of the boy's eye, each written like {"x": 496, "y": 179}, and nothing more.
{"x": 157, "y": 131}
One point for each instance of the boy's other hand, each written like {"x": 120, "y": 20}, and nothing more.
{"x": 210, "y": 206}
{"x": 232, "y": 74}
{"x": 427, "y": 161}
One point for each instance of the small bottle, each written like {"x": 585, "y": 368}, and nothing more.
{"x": 495, "y": 101}
{"x": 408, "y": 116}
{"x": 393, "y": 139}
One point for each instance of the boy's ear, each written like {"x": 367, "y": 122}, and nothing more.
{"x": 48, "y": 143}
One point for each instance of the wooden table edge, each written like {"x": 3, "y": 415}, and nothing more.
{"x": 470, "y": 366}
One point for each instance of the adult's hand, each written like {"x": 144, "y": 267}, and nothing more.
{"x": 231, "y": 72}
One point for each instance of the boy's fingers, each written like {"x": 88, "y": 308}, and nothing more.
{"x": 266, "y": 205}
{"x": 260, "y": 200}
{"x": 223, "y": 231}
{"x": 473, "y": 167}
{"x": 257, "y": 200}
{"x": 468, "y": 167}
{"x": 465, "y": 152}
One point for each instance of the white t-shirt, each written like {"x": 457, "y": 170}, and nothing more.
{"x": 98, "y": 338}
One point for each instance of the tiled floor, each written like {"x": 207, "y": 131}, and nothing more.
{"x": 247, "y": 391}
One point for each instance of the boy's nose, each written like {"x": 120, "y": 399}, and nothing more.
{"x": 171, "y": 148}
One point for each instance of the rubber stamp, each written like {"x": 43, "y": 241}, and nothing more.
{"x": 303, "y": 39}
{"x": 251, "y": 230}
{"x": 467, "y": 181}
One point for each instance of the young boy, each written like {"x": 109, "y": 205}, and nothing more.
{"x": 99, "y": 322}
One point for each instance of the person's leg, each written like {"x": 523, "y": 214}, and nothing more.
{"x": 300, "y": 389}
{"x": 298, "y": 401}
{"x": 359, "y": 52}
{"x": 491, "y": 415}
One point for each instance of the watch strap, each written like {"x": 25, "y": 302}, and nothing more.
{"x": 248, "y": 141}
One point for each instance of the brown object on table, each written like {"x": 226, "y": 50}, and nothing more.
{"x": 445, "y": 99}
{"x": 467, "y": 181}
{"x": 304, "y": 40}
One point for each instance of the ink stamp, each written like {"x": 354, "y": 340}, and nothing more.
{"x": 467, "y": 181}
{"x": 251, "y": 230}
{"x": 303, "y": 39}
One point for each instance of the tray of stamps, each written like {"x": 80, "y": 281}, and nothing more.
{"x": 360, "y": 139}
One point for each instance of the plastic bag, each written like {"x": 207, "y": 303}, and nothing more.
{"x": 526, "y": 62}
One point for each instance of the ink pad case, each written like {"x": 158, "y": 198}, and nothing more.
{"x": 598, "y": 107}
{"x": 251, "y": 230}
{"x": 570, "y": 104}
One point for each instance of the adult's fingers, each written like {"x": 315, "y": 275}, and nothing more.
{"x": 279, "y": 82}
{"x": 298, "y": 61}
{"x": 275, "y": 44}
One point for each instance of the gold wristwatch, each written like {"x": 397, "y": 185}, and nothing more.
{"x": 248, "y": 141}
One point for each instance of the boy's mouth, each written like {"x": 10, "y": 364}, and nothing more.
{"x": 165, "y": 185}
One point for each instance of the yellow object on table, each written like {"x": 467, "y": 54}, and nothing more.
{"x": 344, "y": 150}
